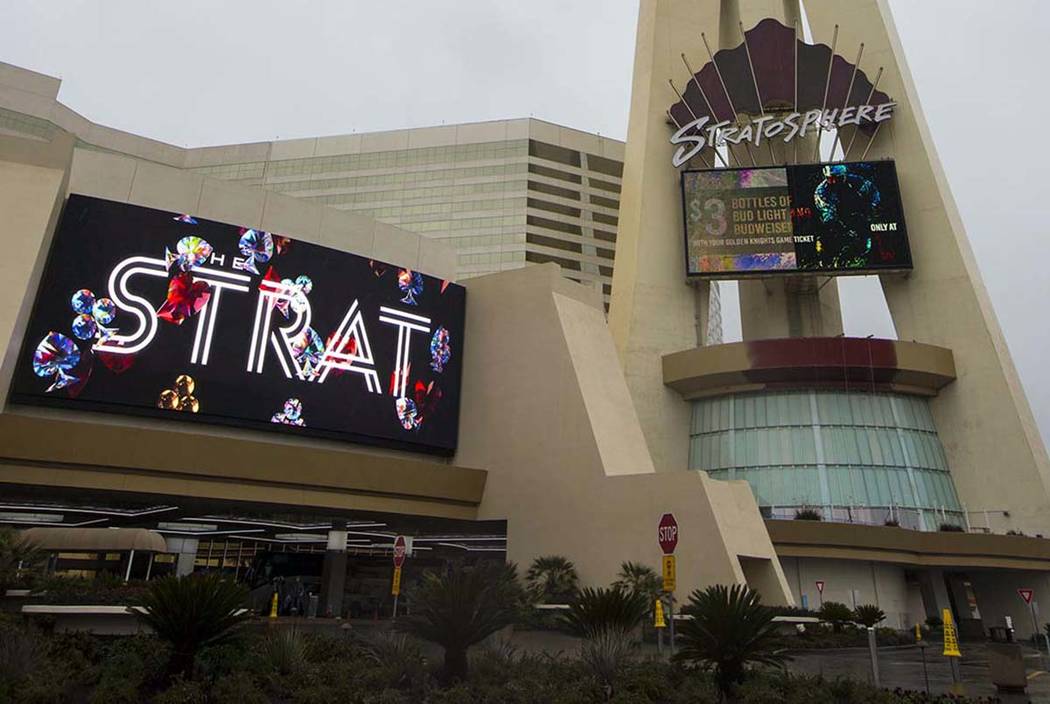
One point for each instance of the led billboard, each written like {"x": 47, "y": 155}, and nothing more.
{"x": 810, "y": 218}
{"x": 163, "y": 314}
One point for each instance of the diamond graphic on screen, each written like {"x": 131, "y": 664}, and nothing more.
{"x": 83, "y": 301}
{"x": 180, "y": 398}
{"x": 185, "y": 298}
{"x": 104, "y": 311}
{"x": 411, "y": 284}
{"x": 291, "y": 414}
{"x": 303, "y": 285}
{"x": 440, "y": 349}
{"x": 189, "y": 252}
{"x": 426, "y": 397}
{"x": 84, "y": 327}
{"x": 406, "y": 413}
{"x": 188, "y": 219}
{"x": 308, "y": 350}
{"x": 256, "y": 247}
{"x": 56, "y": 356}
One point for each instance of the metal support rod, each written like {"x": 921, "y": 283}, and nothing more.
{"x": 671, "y": 611}
{"x": 131, "y": 558}
{"x": 794, "y": 46}
{"x": 692, "y": 77}
{"x": 725, "y": 90}
{"x": 925, "y": 672}
{"x": 758, "y": 93}
{"x": 691, "y": 112}
{"x": 149, "y": 566}
{"x": 845, "y": 103}
{"x": 853, "y": 137}
{"x": 827, "y": 87}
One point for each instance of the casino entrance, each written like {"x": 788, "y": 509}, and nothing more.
{"x": 318, "y": 563}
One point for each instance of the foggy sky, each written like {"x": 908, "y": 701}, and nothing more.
{"x": 197, "y": 72}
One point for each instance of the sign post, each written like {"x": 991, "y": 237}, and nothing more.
{"x": 820, "y": 591}
{"x": 400, "y": 549}
{"x": 1026, "y": 595}
{"x": 951, "y": 645}
{"x": 667, "y": 536}
{"x": 659, "y": 624}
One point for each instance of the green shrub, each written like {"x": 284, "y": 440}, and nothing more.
{"x": 730, "y": 630}
{"x": 463, "y": 606}
{"x": 192, "y": 612}
{"x": 284, "y": 651}
{"x": 808, "y": 514}
{"x": 182, "y": 691}
{"x": 605, "y": 654}
{"x": 595, "y": 611}
{"x": 835, "y": 613}
{"x": 237, "y": 688}
{"x": 552, "y": 579}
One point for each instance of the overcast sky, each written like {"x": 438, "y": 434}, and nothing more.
{"x": 199, "y": 72}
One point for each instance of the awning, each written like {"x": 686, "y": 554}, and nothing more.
{"x": 96, "y": 539}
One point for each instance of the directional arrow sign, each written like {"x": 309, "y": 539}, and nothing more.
{"x": 1026, "y": 594}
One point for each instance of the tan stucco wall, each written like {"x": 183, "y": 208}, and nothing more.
{"x": 547, "y": 412}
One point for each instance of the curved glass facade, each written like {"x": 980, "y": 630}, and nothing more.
{"x": 864, "y": 457}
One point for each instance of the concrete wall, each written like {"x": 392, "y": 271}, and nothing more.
{"x": 547, "y": 412}
{"x": 854, "y": 582}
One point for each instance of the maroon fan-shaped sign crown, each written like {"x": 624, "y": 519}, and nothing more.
{"x": 773, "y": 70}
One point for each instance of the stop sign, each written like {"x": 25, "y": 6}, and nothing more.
{"x": 399, "y": 551}
{"x": 667, "y": 533}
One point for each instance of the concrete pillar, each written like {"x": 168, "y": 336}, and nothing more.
{"x": 333, "y": 574}
{"x": 934, "y": 592}
{"x": 794, "y": 307}
{"x": 186, "y": 549}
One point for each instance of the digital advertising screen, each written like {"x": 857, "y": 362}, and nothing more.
{"x": 147, "y": 312}
{"x": 841, "y": 218}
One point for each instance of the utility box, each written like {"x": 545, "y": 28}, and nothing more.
{"x": 1006, "y": 666}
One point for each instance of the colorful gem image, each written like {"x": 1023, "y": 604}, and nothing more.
{"x": 257, "y": 248}
{"x": 181, "y": 397}
{"x": 185, "y": 298}
{"x": 426, "y": 397}
{"x": 84, "y": 327}
{"x": 411, "y": 283}
{"x": 104, "y": 311}
{"x": 308, "y": 350}
{"x": 188, "y": 219}
{"x": 55, "y": 353}
{"x": 291, "y": 414}
{"x": 303, "y": 285}
{"x": 83, "y": 301}
{"x": 168, "y": 400}
{"x": 440, "y": 349}
{"x": 188, "y": 404}
{"x": 189, "y": 252}
{"x": 184, "y": 385}
{"x": 406, "y": 413}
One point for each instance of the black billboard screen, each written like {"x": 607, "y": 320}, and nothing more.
{"x": 163, "y": 314}
{"x": 818, "y": 218}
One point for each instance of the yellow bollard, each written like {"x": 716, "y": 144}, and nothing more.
{"x": 658, "y": 615}
{"x": 273, "y": 606}
{"x": 918, "y": 633}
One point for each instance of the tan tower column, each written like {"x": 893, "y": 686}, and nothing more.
{"x": 995, "y": 453}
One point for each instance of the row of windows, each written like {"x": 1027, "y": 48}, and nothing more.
{"x": 491, "y": 258}
{"x": 399, "y": 158}
{"x": 252, "y": 169}
{"x": 401, "y": 178}
{"x": 467, "y": 241}
{"x": 870, "y": 447}
{"x": 848, "y": 486}
{"x": 794, "y": 408}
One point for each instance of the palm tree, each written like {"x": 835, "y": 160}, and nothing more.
{"x": 730, "y": 628}
{"x": 192, "y": 612}
{"x": 16, "y": 554}
{"x": 639, "y": 579}
{"x": 598, "y": 611}
{"x": 868, "y": 615}
{"x": 552, "y": 579}
{"x": 462, "y": 607}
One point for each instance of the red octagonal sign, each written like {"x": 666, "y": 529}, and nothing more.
{"x": 399, "y": 551}
{"x": 667, "y": 533}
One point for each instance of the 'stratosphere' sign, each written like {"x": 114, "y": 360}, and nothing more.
{"x": 813, "y": 218}
{"x": 147, "y": 312}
